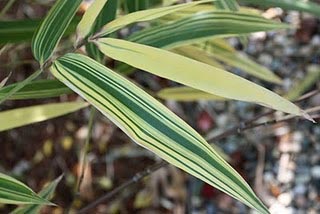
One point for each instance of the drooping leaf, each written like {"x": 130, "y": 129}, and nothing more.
{"x": 299, "y": 5}
{"x": 151, "y": 125}
{"x": 28, "y": 115}
{"x": 107, "y": 14}
{"x": 87, "y": 22}
{"x": 143, "y": 15}
{"x": 186, "y": 94}
{"x": 193, "y": 73}
{"x": 202, "y": 26}
{"x": 13, "y": 191}
{"x": 52, "y": 28}
{"x": 17, "y": 31}
{"x": 36, "y": 90}
{"x": 46, "y": 193}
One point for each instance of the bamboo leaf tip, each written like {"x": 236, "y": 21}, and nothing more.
{"x": 307, "y": 116}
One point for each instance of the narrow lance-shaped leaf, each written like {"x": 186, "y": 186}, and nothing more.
{"x": 202, "y": 26}
{"x": 46, "y": 193}
{"x": 89, "y": 18}
{"x": 186, "y": 94}
{"x": 36, "y": 89}
{"x": 52, "y": 28}
{"x": 143, "y": 15}
{"x": 201, "y": 8}
{"x": 151, "y": 125}
{"x": 193, "y": 73}
{"x": 16, "y": 31}
{"x": 13, "y": 191}
{"x": 299, "y": 5}
{"x": 28, "y": 115}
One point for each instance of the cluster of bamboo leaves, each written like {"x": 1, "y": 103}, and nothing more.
{"x": 181, "y": 42}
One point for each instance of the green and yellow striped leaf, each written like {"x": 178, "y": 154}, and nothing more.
{"x": 142, "y": 16}
{"x": 17, "y": 31}
{"x": 151, "y": 124}
{"x": 193, "y": 73}
{"x": 87, "y": 22}
{"x": 186, "y": 94}
{"x": 36, "y": 90}
{"x": 202, "y": 8}
{"x": 28, "y": 115}
{"x": 299, "y": 5}
{"x": 13, "y": 191}
{"x": 52, "y": 29}
{"x": 202, "y": 26}
{"x": 46, "y": 193}
{"x": 231, "y": 5}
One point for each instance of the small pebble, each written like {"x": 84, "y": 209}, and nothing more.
{"x": 315, "y": 41}
{"x": 285, "y": 198}
{"x": 300, "y": 189}
{"x": 315, "y": 172}
{"x": 301, "y": 201}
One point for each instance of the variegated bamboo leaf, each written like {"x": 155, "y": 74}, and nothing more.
{"x": 13, "y": 191}
{"x": 46, "y": 193}
{"x": 16, "y": 31}
{"x": 193, "y": 73}
{"x": 36, "y": 90}
{"x": 186, "y": 94}
{"x": 28, "y": 115}
{"x": 299, "y": 5}
{"x": 151, "y": 125}
{"x": 231, "y": 5}
{"x": 52, "y": 28}
{"x": 143, "y": 15}
{"x": 202, "y": 26}
{"x": 89, "y": 18}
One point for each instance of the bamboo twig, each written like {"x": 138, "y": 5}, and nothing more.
{"x": 236, "y": 130}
